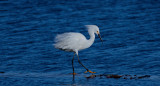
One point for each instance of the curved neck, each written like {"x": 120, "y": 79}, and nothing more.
{"x": 92, "y": 36}
{"x": 90, "y": 41}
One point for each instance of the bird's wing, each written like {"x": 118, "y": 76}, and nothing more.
{"x": 69, "y": 41}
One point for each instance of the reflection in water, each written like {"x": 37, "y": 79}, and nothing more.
{"x": 73, "y": 80}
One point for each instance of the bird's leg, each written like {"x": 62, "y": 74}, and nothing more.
{"x": 84, "y": 66}
{"x": 73, "y": 65}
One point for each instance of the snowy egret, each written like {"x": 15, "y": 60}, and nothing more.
{"x": 74, "y": 42}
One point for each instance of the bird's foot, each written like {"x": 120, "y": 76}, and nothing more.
{"x": 89, "y": 71}
{"x": 73, "y": 73}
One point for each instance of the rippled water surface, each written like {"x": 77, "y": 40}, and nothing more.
{"x": 130, "y": 30}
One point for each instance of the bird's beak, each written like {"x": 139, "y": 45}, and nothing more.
{"x": 100, "y": 38}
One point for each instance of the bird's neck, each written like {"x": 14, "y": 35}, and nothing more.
{"x": 92, "y": 37}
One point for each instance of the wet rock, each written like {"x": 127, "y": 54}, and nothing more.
{"x": 118, "y": 76}
{"x": 145, "y": 76}
{"x": 113, "y": 76}
{"x": 91, "y": 77}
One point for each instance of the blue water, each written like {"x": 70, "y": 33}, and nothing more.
{"x": 130, "y": 31}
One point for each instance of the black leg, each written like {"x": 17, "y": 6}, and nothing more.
{"x": 73, "y": 64}
{"x": 84, "y": 66}
{"x": 81, "y": 63}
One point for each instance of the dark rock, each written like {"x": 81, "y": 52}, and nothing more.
{"x": 145, "y": 76}
{"x": 113, "y": 76}
{"x": 2, "y": 72}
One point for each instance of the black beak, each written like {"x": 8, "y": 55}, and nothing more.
{"x": 100, "y": 38}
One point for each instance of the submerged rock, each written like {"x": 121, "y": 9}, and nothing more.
{"x": 2, "y": 72}
{"x": 118, "y": 76}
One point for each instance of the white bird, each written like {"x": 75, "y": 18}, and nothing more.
{"x": 74, "y": 42}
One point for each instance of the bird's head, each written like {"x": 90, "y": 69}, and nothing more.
{"x": 95, "y": 29}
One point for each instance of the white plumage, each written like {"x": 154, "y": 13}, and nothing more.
{"x": 70, "y": 41}
{"x": 74, "y": 42}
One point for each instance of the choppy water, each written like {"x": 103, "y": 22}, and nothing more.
{"x": 130, "y": 30}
